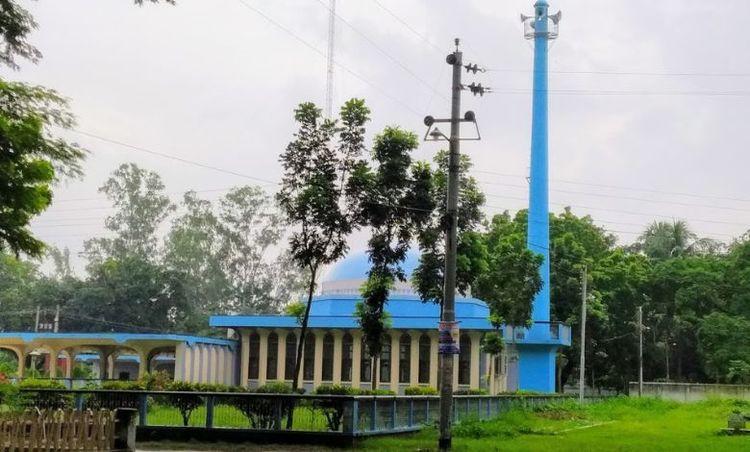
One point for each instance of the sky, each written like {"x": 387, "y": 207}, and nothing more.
{"x": 648, "y": 106}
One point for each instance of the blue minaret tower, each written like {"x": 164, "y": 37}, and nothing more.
{"x": 537, "y": 366}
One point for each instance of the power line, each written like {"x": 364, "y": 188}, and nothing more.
{"x": 384, "y": 52}
{"x": 632, "y": 73}
{"x": 323, "y": 54}
{"x": 591, "y": 92}
{"x": 398, "y": 19}
{"x": 617, "y": 187}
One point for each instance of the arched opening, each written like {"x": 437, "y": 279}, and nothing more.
{"x": 365, "y": 364}
{"x": 347, "y": 352}
{"x": 272, "y": 353}
{"x": 424, "y": 359}
{"x": 308, "y": 373}
{"x": 328, "y": 357}
{"x": 9, "y": 362}
{"x": 254, "y": 354}
{"x": 464, "y": 360}
{"x": 291, "y": 356}
{"x": 404, "y": 358}
{"x": 385, "y": 360}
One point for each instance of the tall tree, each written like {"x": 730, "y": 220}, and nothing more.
{"x": 316, "y": 194}
{"x": 662, "y": 240}
{"x": 141, "y": 204}
{"x": 396, "y": 202}
{"x": 428, "y": 276}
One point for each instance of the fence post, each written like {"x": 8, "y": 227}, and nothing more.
{"x": 79, "y": 401}
{"x": 374, "y": 415}
{"x": 427, "y": 412}
{"x": 351, "y": 420}
{"x": 411, "y": 412}
{"x": 393, "y": 414}
{"x": 277, "y": 413}
{"x": 210, "y": 401}
{"x": 142, "y": 409}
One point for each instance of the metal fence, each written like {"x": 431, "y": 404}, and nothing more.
{"x": 332, "y": 414}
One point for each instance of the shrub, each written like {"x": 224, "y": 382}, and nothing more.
{"x": 51, "y": 400}
{"x": 8, "y": 394}
{"x": 331, "y": 408}
{"x": 157, "y": 381}
{"x": 375, "y": 392}
{"x": 260, "y": 411}
{"x": 184, "y": 401}
{"x": 420, "y": 391}
{"x": 123, "y": 385}
{"x": 470, "y": 392}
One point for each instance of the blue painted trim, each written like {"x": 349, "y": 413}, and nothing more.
{"x": 122, "y": 338}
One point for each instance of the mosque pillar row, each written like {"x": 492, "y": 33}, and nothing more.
{"x": 395, "y": 361}
{"x": 474, "y": 373}
{"x": 318, "y": 358}
{"x": 414, "y": 358}
{"x": 245, "y": 357}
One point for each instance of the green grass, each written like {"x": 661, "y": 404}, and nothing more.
{"x": 620, "y": 424}
{"x": 226, "y": 416}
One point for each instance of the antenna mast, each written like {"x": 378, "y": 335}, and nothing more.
{"x": 329, "y": 58}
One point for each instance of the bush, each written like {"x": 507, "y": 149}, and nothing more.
{"x": 260, "y": 411}
{"x": 121, "y": 385}
{"x": 44, "y": 400}
{"x": 470, "y": 392}
{"x": 185, "y": 402}
{"x": 157, "y": 381}
{"x": 8, "y": 394}
{"x": 375, "y": 392}
{"x": 420, "y": 391}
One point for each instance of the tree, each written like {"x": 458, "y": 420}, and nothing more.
{"x": 31, "y": 159}
{"x": 662, "y": 240}
{"x": 723, "y": 342}
{"x": 142, "y": 205}
{"x": 512, "y": 278}
{"x": 428, "y": 276}
{"x": 396, "y": 202}
{"x": 316, "y": 194}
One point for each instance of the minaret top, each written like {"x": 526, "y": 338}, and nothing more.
{"x": 541, "y": 24}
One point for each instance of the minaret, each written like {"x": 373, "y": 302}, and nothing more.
{"x": 541, "y": 28}
{"x": 536, "y": 361}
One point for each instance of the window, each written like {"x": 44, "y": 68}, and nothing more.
{"x": 464, "y": 360}
{"x": 254, "y": 352}
{"x": 291, "y": 356}
{"x": 365, "y": 364}
{"x": 385, "y": 360}
{"x": 424, "y": 358}
{"x": 272, "y": 354}
{"x": 328, "y": 357}
{"x": 308, "y": 373}
{"x": 347, "y": 352}
{"x": 404, "y": 358}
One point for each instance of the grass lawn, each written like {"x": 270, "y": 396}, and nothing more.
{"x": 620, "y": 424}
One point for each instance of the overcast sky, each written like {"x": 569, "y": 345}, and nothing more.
{"x": 648, "y": 111}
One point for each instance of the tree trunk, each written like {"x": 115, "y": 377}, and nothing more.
{"x": 301, "y": 342}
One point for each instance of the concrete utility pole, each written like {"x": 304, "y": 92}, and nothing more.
{"x": 449, "y": 345}
{"x": 36, "y": 324}
{"x": 329, "y": 58}
{"x": 582, "y": 372}
{"x": 640, "y": 351}
{"x": 56, "y": 327}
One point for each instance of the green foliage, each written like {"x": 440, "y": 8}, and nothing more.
{"x": 470, "y": 392}
{"x": 30, "y": 156}
{"x": 123, "y": 385}
{"x": 296, "y": 310}
{"x": 8, "y": 394}
{"x": 420, "y": 391}
{"x": 157, "y": 381}
{"x": 725, "y": 346}
{"x": 48, "y": 400}
{"x": 493, "y": 343}
{"x": 274, "y": 387}
{"x": 318, "y": 194}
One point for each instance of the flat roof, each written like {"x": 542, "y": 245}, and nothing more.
{"x": 116, "y": 338}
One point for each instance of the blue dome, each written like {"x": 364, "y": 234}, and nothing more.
{"x": 356, "y": 265}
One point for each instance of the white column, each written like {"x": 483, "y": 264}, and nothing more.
{"x": 414, "y": 359}
{"x": 204, "y": 363}
{"x": 318, "y": 361}
{"x": 434, "y": 359}
{"x": 281, "y": 355}
{"x": 356, "y": 358}
{"x": 219, "y": 366}
{"x": 475, "y": 368}
{"x": 395, "y": 355}
{"x": 263, "y": 356}
{"x": 245, "y": 358}
{"x": 337, "y": 355}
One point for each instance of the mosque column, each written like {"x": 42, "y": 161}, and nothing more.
{"x": 338, "y": 337}
{"x": 475, "y": 369}
{"x": 356, "y": 358}
{"x": 414, "y": 359}
{"x": 245, "y": 357}
{"x": 434, "y": 359}
{"x": 52, "y": 362}
{"x": 318, "y": 359}
{"x": 263, "y": 356}
{"x": 281, "y": 355}
{"x": 395, "y": 361}
{"x": 21, "y": 369}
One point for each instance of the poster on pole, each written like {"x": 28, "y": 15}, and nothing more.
{"x": 448, "y": 342}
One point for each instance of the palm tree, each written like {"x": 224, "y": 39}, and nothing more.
{"x": 662, "y": 240}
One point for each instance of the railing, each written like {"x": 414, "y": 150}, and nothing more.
{"x": 330, "y": 414}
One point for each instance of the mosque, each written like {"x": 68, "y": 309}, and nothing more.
{"x": 261, "y": 348}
